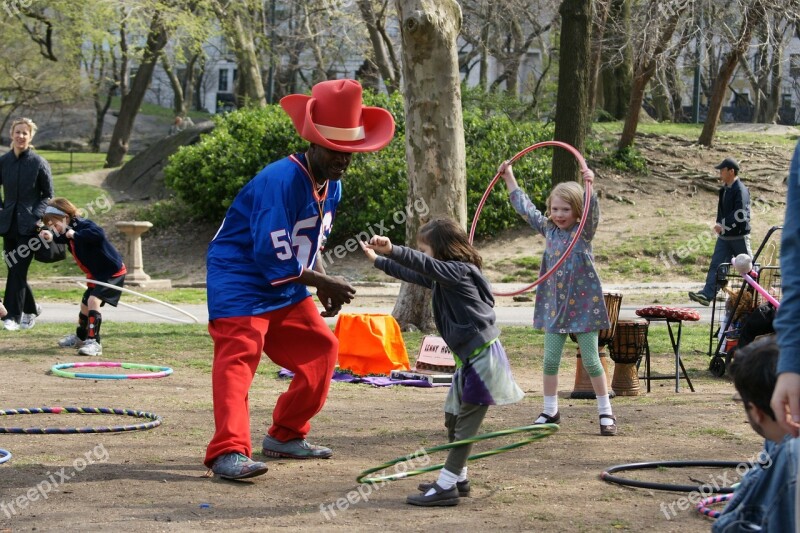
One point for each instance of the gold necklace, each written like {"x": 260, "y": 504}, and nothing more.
{"x": 320, "y": 192}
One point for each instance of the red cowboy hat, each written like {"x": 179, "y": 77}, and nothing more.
{"x": 334, "y": 117}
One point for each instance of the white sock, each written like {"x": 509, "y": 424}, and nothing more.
{"x": 604, "y": 408}
{"x": 463, "y": 475}
{"x": 447, "y": 480}
{"x": 550, "y": 408}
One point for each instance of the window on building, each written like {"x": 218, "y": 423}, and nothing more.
{"x": 786, "y": 100}
{"x": 794, "y": 65}
{"x": 223, "y": 80}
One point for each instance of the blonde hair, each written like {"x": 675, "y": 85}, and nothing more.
{"x": 62, "y": 204}
{"x": 572, "y": 193}
{"x": 23, "y": 120}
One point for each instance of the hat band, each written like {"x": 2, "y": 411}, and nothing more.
{"x": 341, "y": 134}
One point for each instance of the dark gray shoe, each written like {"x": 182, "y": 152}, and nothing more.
{"x": 237, "y": 466}
{"x": 462, "y": 487}
{"x": 440, "y": 498}
{"x": 699, "y": 298}
{"x": 294, "y": 449}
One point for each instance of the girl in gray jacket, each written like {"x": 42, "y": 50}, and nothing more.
{"x": 463, "y": 310}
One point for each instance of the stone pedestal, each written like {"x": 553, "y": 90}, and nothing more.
{"x": 136, "y": 276}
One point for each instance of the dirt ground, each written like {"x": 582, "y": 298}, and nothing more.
{"x": 154, "y": 480}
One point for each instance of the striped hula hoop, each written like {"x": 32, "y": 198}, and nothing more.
{"x": 155, "y": 420}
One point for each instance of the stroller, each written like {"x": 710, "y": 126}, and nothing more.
{"x": 744, "y": 315}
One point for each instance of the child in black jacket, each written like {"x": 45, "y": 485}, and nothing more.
{"x": 97, "y": 258}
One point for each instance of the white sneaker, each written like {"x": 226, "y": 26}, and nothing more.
{"x": 70, "y": 341}
{"x": 91, "y": 348}
{"x": 10, "y": 325}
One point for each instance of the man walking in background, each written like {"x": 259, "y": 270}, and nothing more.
{"x": 732, "y": 227}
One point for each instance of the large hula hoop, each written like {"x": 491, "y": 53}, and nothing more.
{"x": 155, "y": 371}
{"x": 710, "y": 489}
{"x": 703, "y": 507}
{"x": 538, "y": 431}
{"x": 5, "y": 455}
{"x": 586, "y": 201}
{"x": 81, "y": 282}
{"x": 155, "y": 420}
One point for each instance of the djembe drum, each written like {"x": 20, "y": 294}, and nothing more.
{"x": 627, "y": 349}
{"x": 583, "y": 383}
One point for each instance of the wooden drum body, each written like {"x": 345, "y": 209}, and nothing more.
{"x": 627, "y": 349}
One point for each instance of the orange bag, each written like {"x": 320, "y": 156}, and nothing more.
{"x": 370, "y": 344}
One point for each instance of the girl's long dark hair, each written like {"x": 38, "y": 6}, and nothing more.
{"x": 449, "y": 241}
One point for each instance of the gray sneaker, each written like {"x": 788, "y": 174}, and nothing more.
{"x": 237, "y": 466}
{"x": 91, "y": 348}
{"x": 294, "y": 449}
{"x": 70, "y": 341}
{"x": 29, "y": 319}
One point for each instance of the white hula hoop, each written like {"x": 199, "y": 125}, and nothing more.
{"x": 81, "y": 283}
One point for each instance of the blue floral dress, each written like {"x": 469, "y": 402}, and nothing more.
{"x": 571, "y": 300}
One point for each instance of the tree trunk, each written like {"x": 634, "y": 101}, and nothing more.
{"x": 179, "y": 102}
{"x": 250, "y": 87}
{"x": 752, "y": 17}
{"x": 483, "y": 69}
{"x": 378, "y": 47}
{"x": 618, "y": 77}
{"x": 101, "y": 108}
{"x": 644, "y": 73}
{"x": 598, "y": 32}
{"x": 573, "y": 86}
{"x": 131, "y": 101}
{"x": 435, "y": 149}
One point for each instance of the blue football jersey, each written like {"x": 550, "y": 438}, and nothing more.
{"x": 273, "y": 230}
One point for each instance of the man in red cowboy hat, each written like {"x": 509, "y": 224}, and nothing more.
{"x": 261, "y": 264}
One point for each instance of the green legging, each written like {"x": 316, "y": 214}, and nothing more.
{"x": 554, "y": 346}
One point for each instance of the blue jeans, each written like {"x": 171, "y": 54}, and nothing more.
{"x": 724, "y": 251}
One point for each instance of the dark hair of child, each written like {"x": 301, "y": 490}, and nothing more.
{"x": 754, "y": 373}
{"x": 449, "y": 242}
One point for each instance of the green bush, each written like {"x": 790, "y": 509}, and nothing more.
{"x": 208, "y": 175}
{"x": 629, "y": 159}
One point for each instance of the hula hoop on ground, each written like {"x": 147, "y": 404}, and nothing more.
{"x": 710, "y": 489}
{"x": 537, "y": 431}
{"x": 704, "y": 509}
{"x": 155, "y": 420}
{"x": 82, "y": 283}
{"x": 586, "y": 199}
{"x": 5, "y": 455}
{"x": 154, "y": 370}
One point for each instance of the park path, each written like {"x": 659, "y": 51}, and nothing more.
{"x": 371, "y": 298}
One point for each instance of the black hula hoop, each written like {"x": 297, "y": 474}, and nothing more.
{"x": 587, "y": 198}
{"x": 607, "y": 477}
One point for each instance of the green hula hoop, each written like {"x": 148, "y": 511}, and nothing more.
{"x": 537, "y": 431}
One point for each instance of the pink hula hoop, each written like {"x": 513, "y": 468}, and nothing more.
{"x": 586, "y": 199}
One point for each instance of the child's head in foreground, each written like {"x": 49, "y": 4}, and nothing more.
{"x": 754, "y": 377}
{"x": 446, "y": 240}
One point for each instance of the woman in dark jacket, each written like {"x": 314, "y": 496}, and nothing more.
{"x": 26, "y": 186}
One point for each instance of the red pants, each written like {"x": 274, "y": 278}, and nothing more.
{"x": 294, "y": 337}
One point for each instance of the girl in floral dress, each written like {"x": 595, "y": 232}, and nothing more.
{"x": 571, "y": 300}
